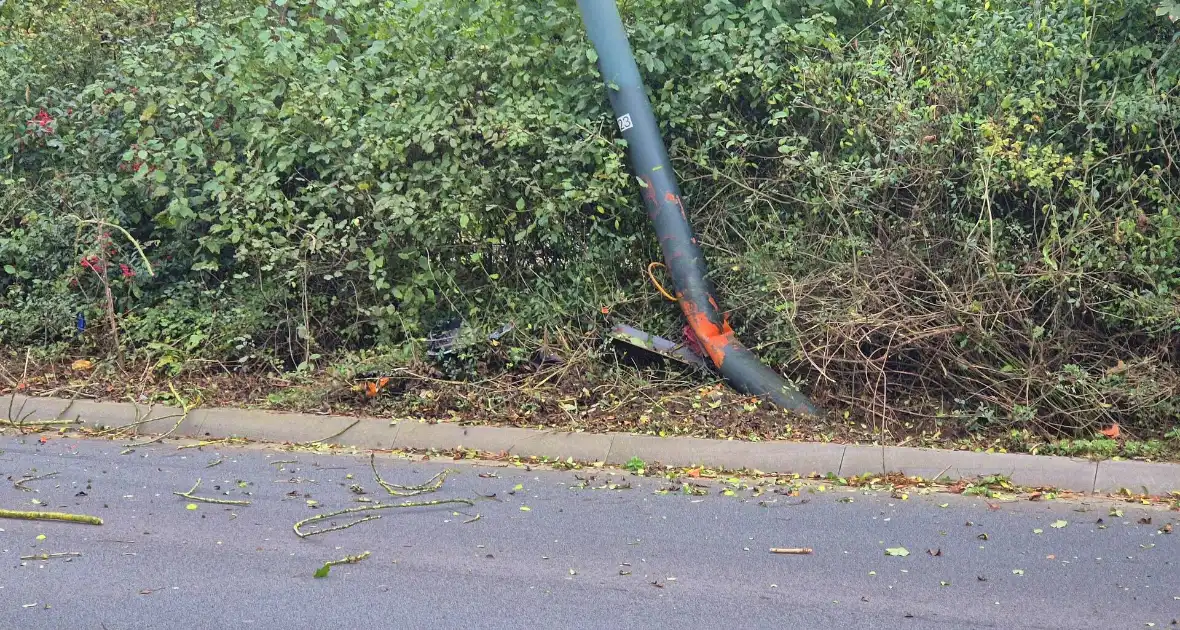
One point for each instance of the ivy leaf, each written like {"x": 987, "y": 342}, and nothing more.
{"x": 322, "y": 572}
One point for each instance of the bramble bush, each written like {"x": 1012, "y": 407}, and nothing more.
{"x": 917, "y": 208}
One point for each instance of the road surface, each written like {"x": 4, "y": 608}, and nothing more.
{"x": 546, "y": 553}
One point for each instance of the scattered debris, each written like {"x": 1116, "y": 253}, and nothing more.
{"x": 51, "y": 516}
{"x": 189, "y": 495}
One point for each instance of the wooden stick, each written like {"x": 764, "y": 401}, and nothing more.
{"x": 792, "y": 551}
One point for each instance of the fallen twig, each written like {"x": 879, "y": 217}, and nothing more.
{"x": 323, "y": 571}
{"x": 20, "y": 484}
{"x": 137, "y": 422}
{"x": 34, "y": 423}
{"x": 284, "y": 461}
{"x": 367, "y": 508}
{"x": 215, "y": 462}
{"x": 434, "y": 483}
{"x": 47, "y": 556}
{"x": 203, "y": 443}
{"x": 337, "y": 434}
{"x": 51, "y": 516}
{"x": 186, "y": 407}
{"x": 190, "y": 495}
{"x": 793, "y": 551}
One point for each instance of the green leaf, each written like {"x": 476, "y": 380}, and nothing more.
{"x": 10, "y": 270}
{"x": 1058, "y": 524}
{"x": 149, "y": 111}
{"x": 592, "y": 55}
{"x": 525, "y": 508}
{"x": 191, "y": 506}
{"x": 322, "y": 572}
{"x": 129, "y": 107}
{"x": 899, "y": 552}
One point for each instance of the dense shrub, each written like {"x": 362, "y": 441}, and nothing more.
{"x": 931, "y": 207}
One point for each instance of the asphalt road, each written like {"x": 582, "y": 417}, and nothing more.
{"x": 576, "y": 558}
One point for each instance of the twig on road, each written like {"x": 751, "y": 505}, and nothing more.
{"x": 47, "y": 556}
{"x": 51, "y": 516}
{"x": 367, "y": 508}
{"x": 185, "y": 405}
{"x": 20, "y": 483}
{"x": 792, "y": 551}
{"x": 323, "y": 571}
{"x": 434, "y": 483}
{"x": 190, "y": 495}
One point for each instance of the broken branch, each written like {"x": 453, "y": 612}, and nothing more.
{"x": 190, "y": 495}
{"x": 434, "y": 483}
{"x": 51, "y": 516}
{"x": 367, "y": 508}
{"x": 20, "y": 484}
{"x": 185, "y": 406}
{"x": 336, "y": 434}
{"x": 47, "y": 556}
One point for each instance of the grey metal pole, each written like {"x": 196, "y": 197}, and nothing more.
{"x": 661, "y": 194}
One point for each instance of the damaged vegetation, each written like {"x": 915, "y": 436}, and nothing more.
{"x": 951, "y": 225}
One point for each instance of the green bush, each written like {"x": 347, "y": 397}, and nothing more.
{"x": 938, "y": 208}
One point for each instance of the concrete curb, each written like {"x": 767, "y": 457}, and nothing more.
{"x": 617, "y": 448}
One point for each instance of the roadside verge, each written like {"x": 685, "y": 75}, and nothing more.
{"x": 1079, "y": 475}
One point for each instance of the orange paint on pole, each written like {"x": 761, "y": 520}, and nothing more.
{"x": 713, "y": 338}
